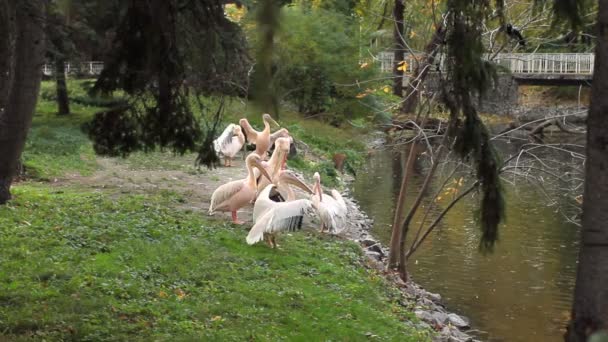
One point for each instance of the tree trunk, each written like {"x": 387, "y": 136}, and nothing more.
{"x": 396, "y": 248}
{"x": 16, "y": 118}
{"x": 63, "y": 102}
{"x": 590, "y": 309}
{"x": 422, "y": 70}
{"x": 399, "y": 54}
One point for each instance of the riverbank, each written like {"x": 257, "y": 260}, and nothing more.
{"x": 427, "y": 306}
{"x": 118, "y": 249}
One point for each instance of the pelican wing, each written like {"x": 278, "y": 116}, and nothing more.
{"x": 289, "y": 215}
{"x": 249, "y": 131}
{"x": 232, "y": 147}
{"x": 339, "y": 200}
{"x": 224, "y": 193}
{"x": 332, "y": 212}
{"x": 281, "y": 216}
{"x": 263, "y": 203}
{"x": 224, "y": 139}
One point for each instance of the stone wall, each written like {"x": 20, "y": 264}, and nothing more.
{"x": 502, "y": 98}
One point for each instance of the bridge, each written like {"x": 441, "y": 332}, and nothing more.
{"x": 92, "y": 68}
{"x": 526, "y": 68}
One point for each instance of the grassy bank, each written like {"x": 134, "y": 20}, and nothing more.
{"x": 82, "y": 262}
{"x": 81, "y": 265}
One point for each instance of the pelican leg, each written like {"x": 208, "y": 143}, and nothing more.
{"x": 274, "y": 243}
{"x": 267, "y": 240}
{"x": 228, "y": 161}
{"x": 235, "y": 219}
{"x": 322, "y": 228}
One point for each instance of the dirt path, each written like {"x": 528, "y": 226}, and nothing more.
{"x": 172, "y": 173}
{"x": 162, "y": 172}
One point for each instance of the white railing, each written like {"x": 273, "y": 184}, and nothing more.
{"x": 84, "y": 68}
{"x": 517, "y": 63}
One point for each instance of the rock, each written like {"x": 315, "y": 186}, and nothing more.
{"x": 376, "y": 248}
{"x": 458, "y": 321}
{"x": 368, "y": 242}
{"x": 440, "y": 317}
{"x": 373, "y": 255}
{"x": 435, "y": 297}
{"x": 425, "y": 316}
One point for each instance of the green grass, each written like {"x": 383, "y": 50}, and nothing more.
{"x": 56, "y": 145}
{"x": 83, "y": 264}
{"x": 78, "y": 265}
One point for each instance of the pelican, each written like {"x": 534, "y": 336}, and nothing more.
{"x": 260, "y": 139}
{"x": 281, "y": 177}
{"x": 274, "y": 165}
{"x": 281, "y": 133}
{"x": 271, "y": 217}
{"x": 229, "y": 143}
{"x": 236, "y": 194}
{"x": 331, "y": 209}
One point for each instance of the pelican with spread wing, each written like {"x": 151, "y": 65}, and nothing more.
{"x": 229, "y": 143}
{"x": 260, "y": 139}
{"x": 331, "y": 209}
{"x": 272, "y": 217}
{"x": 236, "y": 194}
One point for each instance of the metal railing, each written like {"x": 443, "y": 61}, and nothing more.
{"x": 517, "y": 63}
{"x": 85, "y": 68}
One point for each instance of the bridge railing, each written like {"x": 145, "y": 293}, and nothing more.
{"x": 522, "y": 63}
{"x": 92, "y": 68}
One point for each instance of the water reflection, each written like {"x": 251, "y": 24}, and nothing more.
{"x": 521, "y": 292}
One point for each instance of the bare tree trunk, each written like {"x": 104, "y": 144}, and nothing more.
{"x": 590, "y": 309}
{"x": 396, "y": 248}
{"x": 422, "y": 70}
{"x": 63, "y": 102}
{"x": 399, "y": 54}
{"x": 16, "y": 118}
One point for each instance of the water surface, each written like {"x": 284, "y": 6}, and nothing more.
{"x": 522, "y": 291}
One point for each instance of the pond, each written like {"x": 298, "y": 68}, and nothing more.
{"x": 520, "y": 292}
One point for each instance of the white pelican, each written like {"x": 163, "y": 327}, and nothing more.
{"x": 273, "y": 167}
{"x": 278, "y": 174}
{"x": 281, "y": 133}
{"x": 271, "y": 217}
{"x": 229, "y": 143}
{"x": 331, "y": 209}
{"x": 236, "y": 194}
{"x": 260, "y": 139}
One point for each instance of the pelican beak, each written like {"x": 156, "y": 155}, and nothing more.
{"x": 274, "y": 122}
{"x": 259, "y": 166}
{"x": 292, "y": 179}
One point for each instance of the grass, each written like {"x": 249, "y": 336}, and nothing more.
{"x": 56, "y": 145}
{"x": 81, "y": 266}
{"x": 81, "y": 263}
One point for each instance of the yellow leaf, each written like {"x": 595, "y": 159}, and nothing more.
{"x": 180, "y": 294}
{"x": 438, "y": 198}
{"x": 403, "y": 66}
{"x": 215, "y": 318}
{"x": 360, "y": 96}
{"x": 162, "y": 294}
{"x": 364, "y": 65}
{"x": 412, "y": 34}
{"x": 387, "y": 89}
